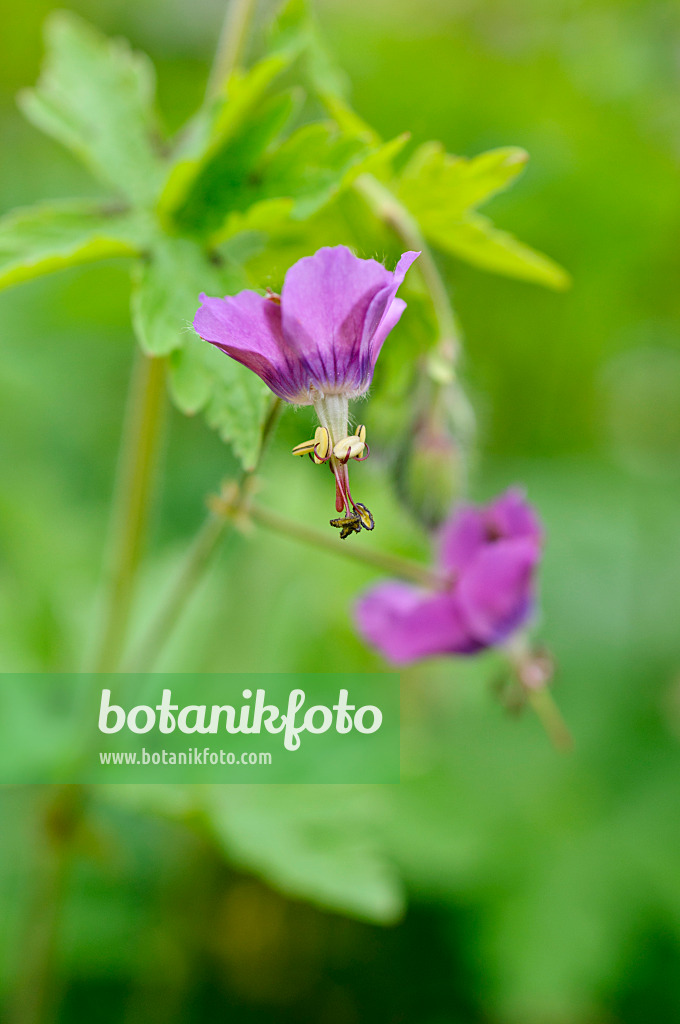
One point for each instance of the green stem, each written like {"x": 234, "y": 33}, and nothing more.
{"x": 388, "y": 208}
{"x": 551, "y": 718}
{"x": 391, "y": 564}
{"x": 231, "y": 45}
{"x": 193, "y": 569}
{"x": 139, "y": 453}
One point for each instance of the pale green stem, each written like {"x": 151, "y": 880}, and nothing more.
{"x": 140, "y": 446}
{"x": 550, "y": 716}
{"x": 387, "y": 207}
{"x": 392, "y": 565}
{"x": 193, "y": 568}
{"x": 231, "y": 45}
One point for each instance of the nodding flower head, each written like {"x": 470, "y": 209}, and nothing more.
{"x": 316, "y": 344}
{"x": 487, "y": 562}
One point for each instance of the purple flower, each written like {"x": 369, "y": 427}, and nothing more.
{"x": 487, "y": 560}
{"x": 316, "y": 344}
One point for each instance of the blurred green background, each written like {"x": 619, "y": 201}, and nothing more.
{"x": 538, "y": 888}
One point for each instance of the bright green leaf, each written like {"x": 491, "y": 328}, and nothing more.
{"x": 477, "y": 241}
{"x": 39, "y": 239}
{"x": 299, "y": 177}
{"x": 442, "y": 192}
{"x": 214, "y": 126}
{"x": 96, "y": 97}
{"x": 229, "y": 178}
{"x": 296, "y": 34}
{"x": 434, "y": 184}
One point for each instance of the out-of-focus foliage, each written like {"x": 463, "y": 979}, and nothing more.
{"x": 540, "y": 889}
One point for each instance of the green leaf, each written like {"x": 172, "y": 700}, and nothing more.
{"x": 435, "y": 184}
{"x": 310, "y": 167}
{"x": 296, "y": 34}
{"x": 311, "y": 847}
{"x": 302, "y": 175}
{"x": 37, "y": 240}
{"x": 165, "y": 298}
{"x": 442, "y": 192}
{"x": 96, "y": 97}
{"x": 214, "y": 126}
{"x": 478, "y": 242}
{"x": 227, "y": 180}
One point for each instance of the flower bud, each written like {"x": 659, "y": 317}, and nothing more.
{"x": 431, "y": 467}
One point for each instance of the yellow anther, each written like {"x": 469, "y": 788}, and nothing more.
{"x": 349, "y": 448}
{"x": 361, "y": 433}
{"x": 318, "y": 447}
{"x": 322, "y": 445}
{"x": 306, "y": 448}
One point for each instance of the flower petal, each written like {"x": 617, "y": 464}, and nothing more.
{"x": 248, "y": 328}
{"x": 495, "y": 594}
{"x": 405, "y": 623}
{"x": 470, "y": 529}
{"x": 390, "y": 319}
{"x": 333, "y": 303}
{"x": 513, "y": 516}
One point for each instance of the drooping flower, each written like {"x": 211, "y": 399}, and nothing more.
{"x": 316, "y": 344}
{"x": 487, "y": 562}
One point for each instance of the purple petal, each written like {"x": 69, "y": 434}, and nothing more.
{"x": 462, "y": 537}
{"x": 511, "y": 515}
{"x": 405, "y": 623}
{"x": 495, "y": 594}
{"x": 471, "y": 528}
{"x": 390, "y": 319}
{"x": 248, "y": 328}
{"x": 333, "y": 304}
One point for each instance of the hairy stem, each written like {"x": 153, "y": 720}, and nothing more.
{"x": 231, "y": 44}
{"x": 140, "y": 445}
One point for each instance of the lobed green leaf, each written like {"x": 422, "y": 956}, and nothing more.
{"x": 210, "y": 131}
{"x": 478, "y": 242}
{"x": 442, "y": 192}
{"x": 39, "y": 239}
{"x": 96, "y": 97}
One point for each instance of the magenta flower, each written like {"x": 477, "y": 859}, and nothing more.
{"x": 487, "y": 560}
{"x": 316, "y": 344}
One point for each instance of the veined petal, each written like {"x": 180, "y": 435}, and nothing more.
{"x": 248, "y": 328}
{"x": 406, "y": 624}
{"x": 333, "y": 303}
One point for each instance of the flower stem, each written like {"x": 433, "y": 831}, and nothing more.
{"x": 140, "y": 445}
{"x": 391, "y": 564}
{"x": 193, "y": 568}
{"x": 551, "y": 719}
{"x": 388, "y": 208}
{"x": 231, "y": 44}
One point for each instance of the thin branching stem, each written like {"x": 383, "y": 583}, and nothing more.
{"x": 231, "y": 44}
{"x": 142, "y": 433}
{"x": 193, "y": 567}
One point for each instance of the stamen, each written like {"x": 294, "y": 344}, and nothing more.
{"x": 349, "y": 448}
{"x": 322, "y": 445}
{"x": 306, "y": 448}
